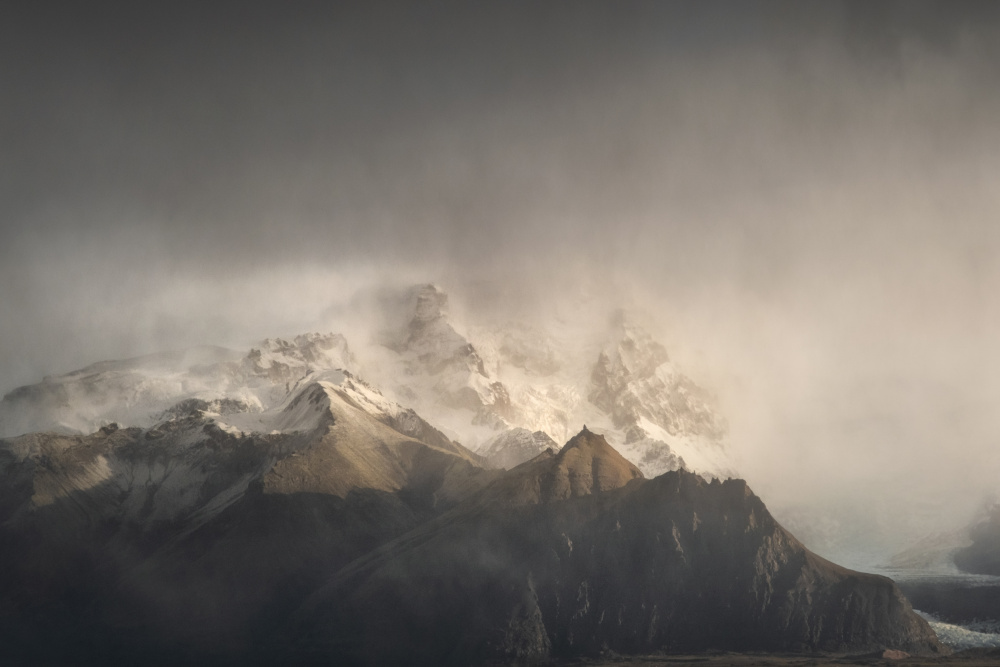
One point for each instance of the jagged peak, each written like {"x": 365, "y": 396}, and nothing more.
{"x": 429, "y": 302}
{"x": 307, "y": 347}
{"x": 633, "y": 346}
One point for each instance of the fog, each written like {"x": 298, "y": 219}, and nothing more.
{"x": 803, "y": 195}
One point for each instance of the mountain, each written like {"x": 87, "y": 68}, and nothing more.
{"x": 137, "y": 392}
{"x": 933, "y": 553}
{"x": 515, "y": 446}
{"x": 634, "y": 383}
{"x": 973, "y": 548}
{"x": 575, "y": 554}
{"x": 982, "y": 556}
{"x": 652, "y": 403}
{"x": 185, "y": 539}
{"x": 319, "y": 529}
{"x": 586, "y": 465}
{"x": 429, "y": 344}
{"x": 479, "y": 380}
{"x": 213, "y": 506}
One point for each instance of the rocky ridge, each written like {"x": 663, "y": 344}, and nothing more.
{"x": 574, "y": 554}
{"x": 184, "y": 537}
{"x": 140, "y": 391}
{"x": 318, "y": 531}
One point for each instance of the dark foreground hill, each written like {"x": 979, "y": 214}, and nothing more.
{"x": 966, "y": 658}
{"x": 186, "y": 542}
{"x": 352, "y": 542}
{"x": 573, "y": 555}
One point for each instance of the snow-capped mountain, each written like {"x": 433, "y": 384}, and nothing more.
{"x": 663, "y": 420}
{"x": 202, "y": 455}
{"x": 138, "y": 392}
{"x": 478, "y": 381}
{"x": 438, "y": 361}
{"x": 485, "y": 385}
{"x": 212, "y": 503}
{"x": 185, "y": 534}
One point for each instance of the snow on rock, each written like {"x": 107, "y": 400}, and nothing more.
{"x": 184, "y": 468}
{"x": 634, "y": 381}
{"x": 430, "y": 349}
{"x": 473, "y": 381}
{"x": 478, "y": 381}
{"x": 203, "y": 454}
{"x": 515, "y": 446}
{"x": 150, "y": 389}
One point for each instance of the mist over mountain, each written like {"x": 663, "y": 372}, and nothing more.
{"x": 753, "y": 239}
{"x": 506, "y": 390}
{"x": 336, "y": 536}
{"x": 544, "y": 565}
{"x": 224, "y": 516}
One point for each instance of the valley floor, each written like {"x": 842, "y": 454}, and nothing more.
{"x": 968, "y": 658}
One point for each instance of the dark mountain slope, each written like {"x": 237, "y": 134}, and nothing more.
{"x": 586, "y": 465}
{"x": 187, "y": 541}
{"x": 337, "y": 538}
{"x": 569, "y": 555}
{"x": 983, "y": 555}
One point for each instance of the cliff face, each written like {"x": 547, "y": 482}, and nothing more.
{"x": 629, "y": 565}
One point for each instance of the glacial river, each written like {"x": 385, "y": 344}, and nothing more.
{"x": 963, "y": 609}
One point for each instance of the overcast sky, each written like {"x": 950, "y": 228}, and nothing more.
{"x": 811, "y": 189}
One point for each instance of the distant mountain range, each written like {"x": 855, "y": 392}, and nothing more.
{"x": 973, "y": 549}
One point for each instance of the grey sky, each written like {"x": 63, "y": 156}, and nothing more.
{"x": 810, "y": 189}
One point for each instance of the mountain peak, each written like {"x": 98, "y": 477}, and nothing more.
{"x": 589, "y": 464}
{"x": 585, "y": 465}
{"x": 429, "y": 302}
{"x": 590, "y": 441}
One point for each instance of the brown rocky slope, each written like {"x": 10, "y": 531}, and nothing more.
{"x": 186, "y": 542}
{"x": 574, "y": 554}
